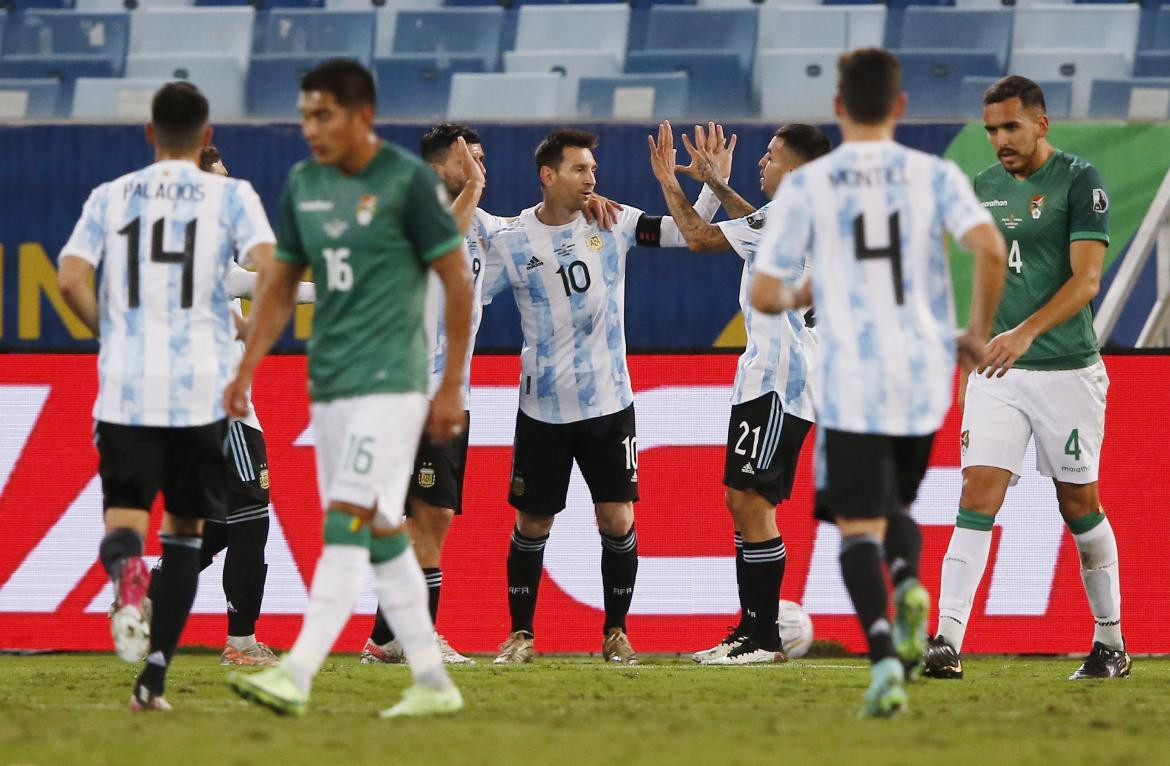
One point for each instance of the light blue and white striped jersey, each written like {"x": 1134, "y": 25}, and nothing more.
{"x": 569, "y": 283}
{"x": 780, "y": 350}
{"x": 165, "y": 237}
{"x": 871, "y": 217}
{"x": 483, "y": 226}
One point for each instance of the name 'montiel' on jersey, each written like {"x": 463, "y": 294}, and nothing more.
{"x": 1061, "y": 203}
{"x": 569, "y": 284}
{"x": 872, "y": 217}
{"x": 165, "y": 237}
{"x": 779, "y": 352}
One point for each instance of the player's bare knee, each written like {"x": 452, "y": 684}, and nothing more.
{"x": 532, "y": 526}
{"x": 365, "y": 514}
{"x": 181, "y": 526}
{"x": 857, "y": 527}
{"x": 1076, "y": 500}
{"x": 615, "y": 518}
{"x": 754, "y": 515}
{"x": 137, "y": 519}
{"x": 984, "y": 489}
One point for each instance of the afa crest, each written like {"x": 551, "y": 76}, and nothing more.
{"x": 594, "y": 243}
{"x": 264, "y": 479}
{"x": 366, "y": 208}
{"x": 518, "y": 485}
{"x": 426, "y": 477}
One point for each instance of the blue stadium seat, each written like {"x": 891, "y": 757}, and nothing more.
{"x": 1057, "y": 96}
{"x": 498, "y": 3}
{"x": 418, "y": 85}
{"x": 261, "y": 4}
{"x": 692, "y": 29}
{"x": 805, "y": 27}
{"x": 719, "y": 86}
{"x": 39, "y": 99}
{"x": 502, "y": 96}
{"x": 221, "y": 31}
{"x": 1130, "y": 98}
{"x": 1077, "y": 65}
{"x": 797, "y": 84}
{"x": 462, "y": 31}
{"x": 596, "y": 96}
{"x": 287, "y": 32}
{"x": 66, "y": 33}
{"x": 899, "y": 4}
{"x": 219, "y": 76}
{"x": 20, "y": 5}
{"x": 115, "y": 98}
{"x": 274, "y": 80}
{"x": 63, "y": 69}
{"x": 958, "y": 29}
{"x": 1154, "y": 30}
{"x": 3, "y": 23}
{"x": 555, "y": 28}
{"x": 1108, "y": 28}
{"x": 932, "y": 78}
{"x": 572, "y": 65}
{"x": 1152, "y": 64}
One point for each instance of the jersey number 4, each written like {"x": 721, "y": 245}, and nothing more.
{"x": 892, "y": 251}
{"x": 185, "y": 257}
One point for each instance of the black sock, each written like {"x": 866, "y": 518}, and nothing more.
{"x": 763, "y": 572}
{"x": 619, "y": 570}
{"x": 244, "y": 573}
{"x": 525, "y": 564}
{"x": 903, "y": 547}
{"x": 434, "y": 578}
{"x": 381, "y": 633}
{"x": 177, "y": 579}
{"x": 117, "y": 546}
{"x": 745, "y": 618}
{"x": 861, "y": 569}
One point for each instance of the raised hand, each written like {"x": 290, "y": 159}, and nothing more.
{"x": 472, "y": 168}
{"x": 662, "y": 154}
{"x": 710, "y": 153}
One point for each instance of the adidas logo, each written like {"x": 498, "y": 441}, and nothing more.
{"x": 747, "y": 468}
{"x": 535, "y": 263}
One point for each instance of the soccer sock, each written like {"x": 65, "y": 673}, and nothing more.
{"x": 745, "y": 618}
{"x": 619, "y": 570}
{"x": 402, "y": 594}
{"x": 382, "y": 633}
{"x": 861, "y": 569}
{"x": 903, "y": 547}
{"x": 962, "y": 570}
{"x": 1099, "y": 572}
{"x": 177, "y": 579}
{"x": 117, "y": 546}
{"x": 525, "y": 564}
{"x": 763, "y": 572}
{"x": 244, "y": 573}
{"x": 337, "y": 583}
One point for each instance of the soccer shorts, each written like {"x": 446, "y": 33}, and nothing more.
{"x": 186, "y": 464}
{"x": 439, "y": 469}
{"x": 763, "y": 447}
{"x": 1063, "y": 410}
{"x": 365, "y": 450}
{"x": 868, "y": 476}
{"x": 247, "y": 468}
{"x": 606, "y": 451}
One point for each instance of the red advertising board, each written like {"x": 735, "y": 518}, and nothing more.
{"x": 53, "y": 593}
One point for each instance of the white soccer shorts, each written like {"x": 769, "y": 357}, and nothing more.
{"x": 365, "y": 450}
{"x": 1064, "y": 410}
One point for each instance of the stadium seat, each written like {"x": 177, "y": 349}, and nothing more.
{"x": 340, "y": 33}
{"x": 1152, "y": 64}
{"x": 28, "y": 99}
{"x": 90, "y": 6}
{"x": 67, "y": 33}
{"x": 451, "y": 31}
{"x": 378, "y": 5}
{"x": 220, "y": 31}
{"x": 645, "y": 97}
{"x": 797, "y": 84}
{"x": 839, "y": 28}
{"x": 274, "y": 82}
{"x": 1078, "y": 66}
{"x": 693, "y": 29}
{"x": 932, "y": 78}
{"x": 958, "y": 30}
{"x": 1057, "y": 96}
{"x": 63, "y": 69}
{"x": 1130, "y": 99}
{"x": 904, "y": 4}
{"x": 501, "y": 96}
{"x": 598, "y": 28}
{"x": 418, "y": 85}
{"x": 571, "y": 65}
{"x": 1154, "y": 30}
{"x": 1107, "y": 28}
{"x": 119, "y": 98}
{"x": 264, "y": 4}
{"x": 220, "y": 77}
{"x": 20, "y": 5}
{"x": 718, "y": 83}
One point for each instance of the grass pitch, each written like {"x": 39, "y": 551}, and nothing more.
{"x": 71, "y": 709}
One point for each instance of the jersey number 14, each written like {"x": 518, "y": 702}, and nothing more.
{"x": 185, "y": 257}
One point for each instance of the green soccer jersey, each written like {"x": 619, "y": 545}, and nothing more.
{"x": 369, "y": 238}
{"x": 1062, "y": 202}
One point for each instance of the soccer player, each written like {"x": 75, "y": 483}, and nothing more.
{"x": 371, "y": 221}
{"x": 1043, "y": 377}
{"x": 165, "y": 237}
{"x": 576, "y": 403}
{"x": 871, "y": 217}
{"x": 772, "y": 405}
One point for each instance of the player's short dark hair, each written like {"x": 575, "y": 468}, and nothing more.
{"x": 208, "y": 157}
{"x": 439, "y": 139}
{"x": 869, "y": 81}
{"x": 349, "y": 82}
{"x": 179, "y": 114}
{"x": 551, "y": 150}
{"x": 1030, "y": 94}
{"x": 808, "y": 141}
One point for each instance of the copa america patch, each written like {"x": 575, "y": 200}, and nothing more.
{"x": 1100, "y": 201}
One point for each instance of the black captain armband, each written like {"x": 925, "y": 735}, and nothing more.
{"x": 648, "y": 231}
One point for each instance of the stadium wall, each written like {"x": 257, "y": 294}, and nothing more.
{"x": 53, "y": 593}
{"x": 675, "y": 299}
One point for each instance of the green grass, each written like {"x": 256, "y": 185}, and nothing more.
{"x": 71, "y": 709}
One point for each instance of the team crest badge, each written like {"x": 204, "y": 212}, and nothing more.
{"x": 365, "y": 209}
{"x": 593, "y": 242}
{"x": 965, "y": 441}
{"x": 1100, "y": 201}
{"x": 755, "y": 220}
{"x": 1037, "y": 206}
{"x": 264, "y": 479}
{"x": 518, "y": 485}
{"x": 426, "y": 477}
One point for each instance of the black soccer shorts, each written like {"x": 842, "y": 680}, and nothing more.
{"x": 868, "y": 476}
{"x": 186, "y": 464}
{"x": 763, "y": 448}
{"x": 606, "y": 451}
{"x": 247, "y": 468}
{"x": 439, "y": 470}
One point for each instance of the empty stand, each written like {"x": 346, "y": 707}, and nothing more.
{"x": 341, "y": 33}
{"x": 958, "y": 30}
{"x": 1131, "y": 99}
{"x": 597, "y": 28}
{"x": 418, "y": 85}
{"x": 221, "y": 78}
{"x": 121, "y": 98}
{"x": 633, "y": 97}
{"x": 1057, "y": 96}
{"x": 797, "y": 84}
{"x": 1079, "y": 67}
{"x": 221, "y": 31}
{"x": 503, "y": 96}
{"x": 462, "y": 31}
{"x": 28, "y": 99}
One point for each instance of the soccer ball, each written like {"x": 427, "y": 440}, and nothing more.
{"x": 796, "y": 629}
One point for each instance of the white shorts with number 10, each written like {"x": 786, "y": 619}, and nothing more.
{"x": 1064, "y": 410}
{"x": 365, "y": 450}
